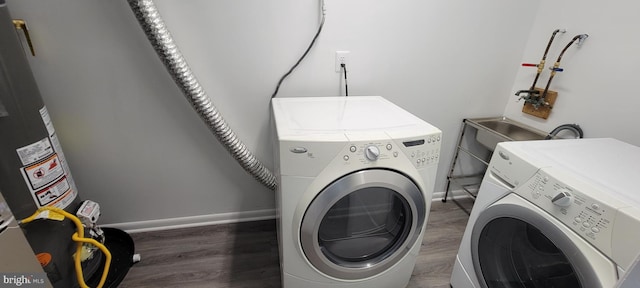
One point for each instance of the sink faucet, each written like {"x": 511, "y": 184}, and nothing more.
{"x": 528, "y": 94}
{"x": 533, "y": 97}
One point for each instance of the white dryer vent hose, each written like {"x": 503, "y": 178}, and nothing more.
{"x": 161, "y": 40}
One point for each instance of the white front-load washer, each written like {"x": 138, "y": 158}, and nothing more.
{"x": 561, "y": 213}
{"x": 356, "y": 178}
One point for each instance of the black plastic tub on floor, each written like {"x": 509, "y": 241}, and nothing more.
{"x": 122, "y": 249}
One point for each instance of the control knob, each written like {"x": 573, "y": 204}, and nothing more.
{"x": 372, "y": 152}
{"x": 563, "y": 198}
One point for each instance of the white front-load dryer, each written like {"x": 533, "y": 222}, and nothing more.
{"x": 356, "y": 178}
{"x": 561, "y": 213}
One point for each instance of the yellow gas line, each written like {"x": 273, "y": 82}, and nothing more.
{"x": 46, "y": 213}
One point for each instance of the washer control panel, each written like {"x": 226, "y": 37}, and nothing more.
{"x": 583, "y": 208}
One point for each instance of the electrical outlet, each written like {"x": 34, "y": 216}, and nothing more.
{"x": 341, "y": 57}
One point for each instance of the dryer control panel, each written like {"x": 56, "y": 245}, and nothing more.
{"x": 421, "y": 151}
{"x": 583, "y": 208}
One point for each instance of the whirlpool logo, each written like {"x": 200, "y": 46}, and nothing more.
{"x": 23, "y": 280}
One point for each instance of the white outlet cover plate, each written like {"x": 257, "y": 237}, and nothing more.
{"x": 340, "y": 57}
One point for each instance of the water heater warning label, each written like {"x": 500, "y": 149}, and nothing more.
{"x": 48, "y": 182}
{"x": 44, "y": 113}
{"x": 52, "y": 193}
{"x": 43, "y": 173}
{"x": 35, "y": 152}
{"x": 45, "y": 170}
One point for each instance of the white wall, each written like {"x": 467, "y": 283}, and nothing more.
{"x": 135, "y": 146}
{"x": 599, "y": 87}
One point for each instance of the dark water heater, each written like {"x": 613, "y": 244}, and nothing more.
{"x": 33, "y": 170}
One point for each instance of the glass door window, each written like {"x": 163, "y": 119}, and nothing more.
{"x": 514, "y": 253}
{"x": 365, "y": 226}
{"x": 363, "y": 223}
{"x": 514, "y": 243}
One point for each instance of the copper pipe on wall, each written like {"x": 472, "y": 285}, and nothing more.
{"x": 556, "y": 66}
{"x": 544, "y": 57}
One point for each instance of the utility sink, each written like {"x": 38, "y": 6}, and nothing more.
{"x": 491, "y": 131}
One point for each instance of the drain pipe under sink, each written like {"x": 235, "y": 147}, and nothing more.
{"x": 161, "y": 40}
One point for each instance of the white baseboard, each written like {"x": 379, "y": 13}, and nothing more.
{"x": 222, "y": 218}
{"x": 193, "y": 221}
{"x": 456, "y": 194}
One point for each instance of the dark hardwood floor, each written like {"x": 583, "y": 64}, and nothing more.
{"x": 245, "y": 255}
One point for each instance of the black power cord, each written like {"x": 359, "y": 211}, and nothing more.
{"x": 303, "y": 55}
{"x": 346, "y": 87}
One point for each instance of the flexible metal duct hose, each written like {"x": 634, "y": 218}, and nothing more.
{"x": 161, "y": 40}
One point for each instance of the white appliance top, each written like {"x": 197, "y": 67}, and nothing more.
{"x": 608, "y": 164}
{"x": 308, "y": 116}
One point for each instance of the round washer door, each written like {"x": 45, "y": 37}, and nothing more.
{"x": 516, "y": 244}
{"x": 363, "y": 223}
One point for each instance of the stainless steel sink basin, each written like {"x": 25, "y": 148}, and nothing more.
{"x": 491, "y": 131}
